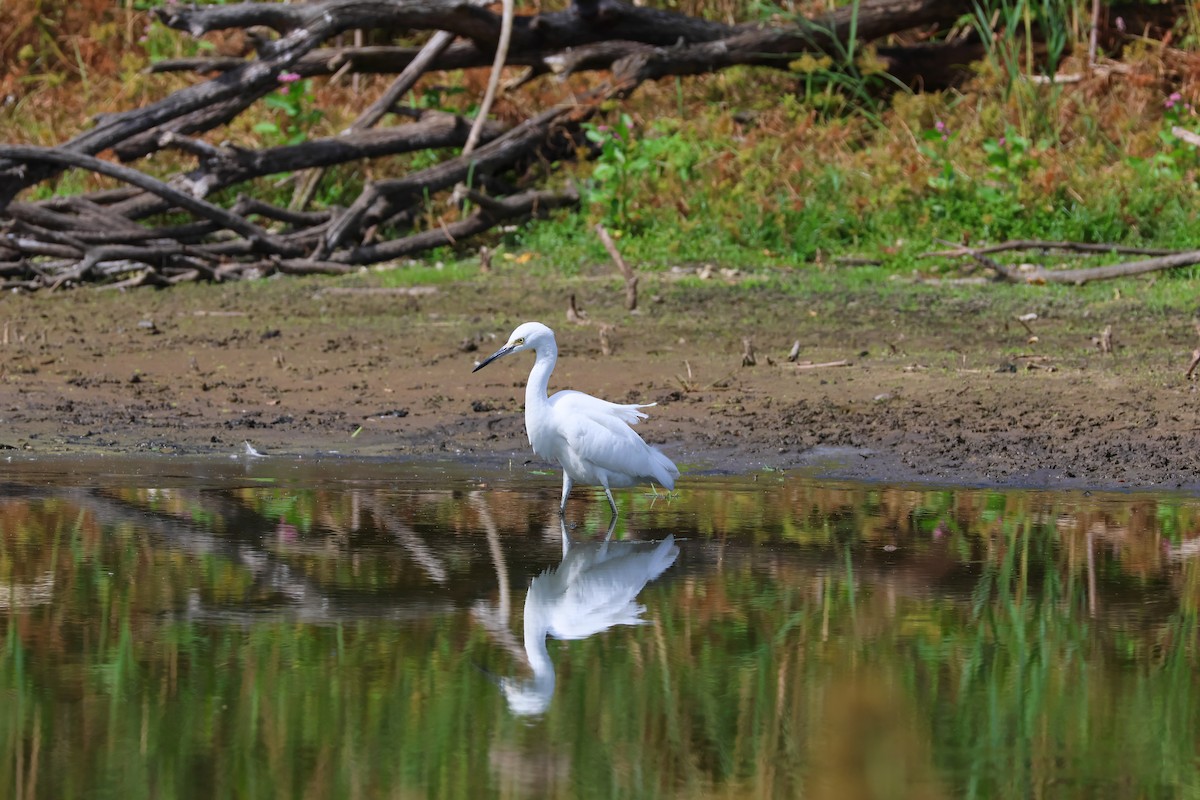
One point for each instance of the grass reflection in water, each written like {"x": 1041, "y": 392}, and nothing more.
{"x": 339, "y": 638}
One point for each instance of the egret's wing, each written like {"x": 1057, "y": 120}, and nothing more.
{"x": 628, "y": 413}
{"x": 603, "y": 591}
{"x": 605, "y": 442}
{"x": 593, "y": 604}
{"x": 597, "y": 436}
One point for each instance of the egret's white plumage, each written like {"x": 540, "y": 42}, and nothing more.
{"x": 591, "y": 438}
{"x": 594, "y": 588}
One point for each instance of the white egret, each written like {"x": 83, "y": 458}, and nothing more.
{"x": 590, "y": 438}
{"x": 594, "y": 588}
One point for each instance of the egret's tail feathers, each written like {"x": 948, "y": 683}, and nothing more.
{"x": 665, "y": 471}
{"x": 663, "y": 556}
{"x": 629, "y": 413}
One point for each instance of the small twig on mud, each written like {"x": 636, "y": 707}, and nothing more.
{"x": 1191, "y": 370}
{"x": 606, "y": 347}
{"x": 631, "y": 280}
{"x": 823, "y": 364}
{"x": 573, "y": 313}
{"x": 688, "y": 384}
{"x": 1105, "y": 340}
{"x": 748, "y": 358}
{"x": 1025, "y": 319}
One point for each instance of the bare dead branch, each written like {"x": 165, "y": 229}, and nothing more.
{"x": 805, "y": 365}
{"x": 1041, "y": 244}
{"x": 101, "y": 236}
{"x": 631, "y": 280}
{"x": 199, "y": 207}
{"x": 254, "y": 76}
{"x": 489, "y": 95}
{"x": 383, "y": 198}
{"x": 484, "y": 219}
{"x": 556, "y": 29}
{"x": 1079, "y": 277}
{"x": 408, "y": 78}
{"x": 436, "y": 45}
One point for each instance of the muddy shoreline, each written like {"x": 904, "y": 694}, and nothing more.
{"x": 952, "y": 394}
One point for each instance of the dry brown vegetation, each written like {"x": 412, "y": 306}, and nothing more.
{"x": 778, "y": 140}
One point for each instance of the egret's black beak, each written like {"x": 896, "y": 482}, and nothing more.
{"x": 487, "y": 673}
{"x": 503, "y": 351}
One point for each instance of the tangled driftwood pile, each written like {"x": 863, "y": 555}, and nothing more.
{"x": 118, "y": 236}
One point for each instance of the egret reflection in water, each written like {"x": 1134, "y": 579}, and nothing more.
{"x": 594, "y": 588}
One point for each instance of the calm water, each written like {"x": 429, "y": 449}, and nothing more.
{"x": 326, "y": 630}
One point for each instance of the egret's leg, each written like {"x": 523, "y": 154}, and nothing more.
{"x": 612, "y": 527}
{"x": 562, "y": 507}
{"x": 566, "y": 539}
{"x": 611, "y": 503}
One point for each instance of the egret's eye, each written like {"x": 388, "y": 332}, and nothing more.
{"x": 519, "y": 342}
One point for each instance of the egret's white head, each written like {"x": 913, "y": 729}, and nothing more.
{"x": 528, "y": 698}
{"x": 527, "y": 336}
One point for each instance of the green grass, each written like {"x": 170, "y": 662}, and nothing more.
{"x": 438, "y": 273}
{"x": 874, "y": 205}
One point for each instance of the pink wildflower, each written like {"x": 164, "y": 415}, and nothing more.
{"x": 289, "y": 77}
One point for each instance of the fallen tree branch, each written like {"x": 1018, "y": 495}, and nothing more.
{"x": 1042, "y": 244}
{"x": 254, "y": 76}
{"x": 556, "y": 29}
{"x": 491, "y": 211}
{"x": 821, "y": 365}
{"x": 489, "y": 95}
{"x": 381, "y": 199}
{"x": 62, "y": 158}
{"x": 386, "y": 102}
{"x": 408, "y": 77}
{"x": 105, "y": 235}
{"x": 1079, "y": 277}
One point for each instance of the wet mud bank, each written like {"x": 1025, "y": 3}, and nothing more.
{"x": 944, "y": 395}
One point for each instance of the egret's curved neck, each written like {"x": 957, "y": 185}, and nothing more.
{"x": 538, "y": 386}
{"x": 538, "y": 654}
